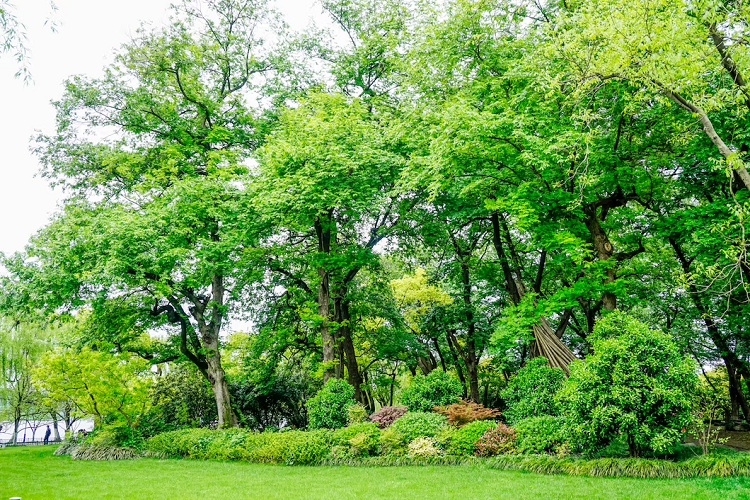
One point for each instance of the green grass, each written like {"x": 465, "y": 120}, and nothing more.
{"x": 33, "y": 473}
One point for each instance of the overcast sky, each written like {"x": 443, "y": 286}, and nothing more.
{"x": 88, "y": 33}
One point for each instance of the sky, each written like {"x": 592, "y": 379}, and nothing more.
{"x": 88, "y": 32}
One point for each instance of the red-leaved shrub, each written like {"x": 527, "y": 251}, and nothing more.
{"x": 495, "y": 441}
{"x": 460, "y": 414}
{"x": 385, "y": 416}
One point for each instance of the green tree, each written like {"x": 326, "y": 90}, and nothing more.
{"x": 636, "y": 385}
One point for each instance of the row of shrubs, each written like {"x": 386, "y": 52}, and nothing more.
{"x": 414, "y": 434}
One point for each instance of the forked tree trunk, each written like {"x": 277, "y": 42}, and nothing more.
{"x": 546, "y": 343}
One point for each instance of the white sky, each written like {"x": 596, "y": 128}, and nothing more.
{"x": 89, "y": 32}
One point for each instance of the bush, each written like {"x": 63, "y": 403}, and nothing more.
{"x": 356, "y": 414}
{"x": 436, "y": 389}
{"x": 419, "y": 424}
{"x": 361, "y": 439}
{"x": 540, "y": 434}
{"x": 309, "y": 449}
{"x": 462, "y": 413}
{"x": 391, "y": 443}
{"x": 385, "y": 416}
{"x": 329, "y": 409}
{"x": 635, "y": 384}
{"x": 495, "y": 441}
{"x": 531, "y": 393}
{"x": 423, "y": 447}
{"x": 464, "y": 440}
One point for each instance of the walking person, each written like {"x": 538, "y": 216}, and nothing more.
{"x": 46, "y": 435}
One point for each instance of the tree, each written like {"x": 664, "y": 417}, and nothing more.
{"x": 159, "y": 210}
{"x": 99, "y": 384}
{"x": 636, "y": 384}
{"x": 21, "y": 346}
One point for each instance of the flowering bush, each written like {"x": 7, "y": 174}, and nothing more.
{"x": 385, "y": 416}
{"x": 423, "y": 447}
{"x": 460, "y": 414}
{"x": 497, "y": 440}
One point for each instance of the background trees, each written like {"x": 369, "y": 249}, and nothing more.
{"x": 457, "y": 188}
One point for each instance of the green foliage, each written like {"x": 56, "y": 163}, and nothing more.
{"x": 391, "y": 443}
{"x": 636, "y": 384}
{"x": 419, "y": 424}
{"x": 463, "y": 442}
{"x": 363, "y": 438}
{"x": 540, "y": 434}
{"x": 436, "y": 389}
{"x": 329, "y": 409}
{"x": 356, "y": 414}
{"x": 532, "y": 391}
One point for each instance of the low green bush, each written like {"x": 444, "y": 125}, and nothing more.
{"x": 329, "y": 408}
{"x": 419, "y": 424}
{"x": 464, "y": 440}
{"x": 391, "y": 443}
{"x": 436, "y": 389}
{"x": 531, "y": 393}
{"x": 540, "y": 434}
{"x": 309, "y": 448}
{"x": 362, "y": 438}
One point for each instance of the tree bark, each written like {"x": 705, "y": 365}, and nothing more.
{"x": 605, "y": 253}
{"x": 546, "y": 343}
{"x": 323, "y": 231}
{"x": 344, "y": 333}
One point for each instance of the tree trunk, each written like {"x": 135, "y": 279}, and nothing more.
{"x": 55, "y": 430}
{"x": 341, "y": 310}
{"x": 546, "y": 342}
{"x": 604, "y": 253}
{"x": 323, "y": 231}
{"x": 451, "y": 339}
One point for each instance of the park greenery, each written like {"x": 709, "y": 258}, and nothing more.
{"x": 466, "y": 229}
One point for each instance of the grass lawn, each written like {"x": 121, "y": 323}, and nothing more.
{"x": 33, "y": 473}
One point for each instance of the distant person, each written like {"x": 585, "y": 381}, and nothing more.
{"x": 46, "y": 435}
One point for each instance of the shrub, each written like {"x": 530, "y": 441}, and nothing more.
{"x": 391, "y": 443}
{"x": 531, "y": 393}
{"x": 464, "y": 440}
{"x": 310, "y": 448}
{"x": 540, "y": 434}
{"x": 423, "y": 447}
{"x": 436, "y": 389}
{"x": 419, "y": 424}
{"x": 329, "y": 408}
{"x": 362, "y": 439}
{"x": 635, "y": 384}
{"x": 495, "y": 441}
{"x": 385, "y": 416}
{"x": 356, "y": 414}
{"x": 460, "y": 414}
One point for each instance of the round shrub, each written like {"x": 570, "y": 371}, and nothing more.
{"x": 463, "y": 412}
{"x": 464, "y": 439}
{"x": 423, "y": 447}
{"x": 532, "y": 391}
{"x": 419, "y": 424}
{"x": 385, "y": 416}
{"x": 436, "y": 389}
{"x": 362, "y": 439}
{"x": 495, "y": 441}
{"x": 329, "y": 408}
{"x": 540, "y": 434}
{"x": 635, "y": 385}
